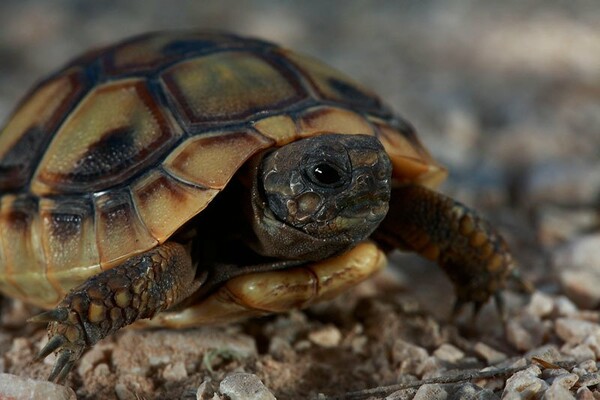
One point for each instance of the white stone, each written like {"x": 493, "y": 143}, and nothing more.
{"x": 580, "y": 352}
{"x": 558, "y": 393}
{"x": 525, "y": 384}
{"x": 565, "y": 380}
{"x": 175, "y": 372}
{"x": 579, "y": 270}
{"x": 449, "y": 353}
{"x": 123, "y": 392}
{"x": 540, "y": 304}
{"x": 491, "y": 355}
{"x": 430, "y": 392}
{"x": 565, "y": 307}
{"x": 409, "y": 356}
{"x": 525, "y": 333}
{"x": 573, "y": 330}
{"x": 327, "y": 337}
{"x": 16, "y": 387}
{"x": 244, "y": 386}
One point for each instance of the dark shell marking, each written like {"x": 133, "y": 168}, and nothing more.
{"x": 95, "y": 156}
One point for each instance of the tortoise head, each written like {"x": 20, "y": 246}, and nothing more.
{"x": 321, "y": 195}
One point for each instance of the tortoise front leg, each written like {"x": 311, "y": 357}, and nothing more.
{"x": 473, "y": 255}
{"x": 139, "y": 288}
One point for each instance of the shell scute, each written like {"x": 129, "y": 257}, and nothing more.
{"x": 211, "y": 160}
{"x": 69, "y": 240}
{"x": 330, "y": 84}
{"x": 115, "y": 131}
{"x": 228, "y": 86}
{"x": 163, "y": 202}
{"x": 23, "y": 139}
{"x": 24, "y": 265}
{"x": 119, "y": 231}
{"x": 327, "y": 119}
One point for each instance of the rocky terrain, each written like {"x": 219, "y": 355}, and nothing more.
{"x": 506, "y": 94}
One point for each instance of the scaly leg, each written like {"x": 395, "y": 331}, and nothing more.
{"x": 139, "y": 288}
{"x": 473, "y": 255}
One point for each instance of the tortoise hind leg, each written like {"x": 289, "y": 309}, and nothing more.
{"x": 473, "y": 255}
{"x": 139, "y": 288}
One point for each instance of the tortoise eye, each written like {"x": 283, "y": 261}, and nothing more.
{"x": 326, "y": 175}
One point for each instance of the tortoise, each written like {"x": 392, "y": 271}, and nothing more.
{"x": 201, "y": 177}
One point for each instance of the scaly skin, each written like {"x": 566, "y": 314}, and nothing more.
{"x": 469, "y": 250}
{"x": 139, "y": 288}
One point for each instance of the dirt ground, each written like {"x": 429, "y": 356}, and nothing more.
{"x": 506, "y": 94}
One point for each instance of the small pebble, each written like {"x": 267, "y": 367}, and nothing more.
{"x": 593, "y": 342}
{"x": 565, "y": 307}
{"x": 102, "y": 369}
{"x": 449, "y": 353}
{"x": 302, "y": 345}
{"x": 491, "y": 356}
{"x": 327, "y": 337}
{"x": 16, "y": 387}
{"x": 583, "y": 393}
{"x": 430, "y": 367}
{"x": 589, "y": 366}
{"x": 525, "y": 333}
{"x": 573, "y": 330}
{"x": 589, "y": 379}
{"x": 548, "y": 353}
{"x": 579, "y": 270}
{"x": 205, "y": 390}
{"x": 280, "y": 348}
{"x": 469, "y": 391}
{"x": 540, "y": 304}
{"x": 565, "y": 380}
{"x": 525, "y": 384}
{"x": 244, "y": 386}
{"x": 580, "y": 352}
{"x": 175, "y": 372}
{"x": 408, "y": 356}
{"x": 431, "y": 391}
{"x": 123, "y": 393}
{"x": 558, "y": 393}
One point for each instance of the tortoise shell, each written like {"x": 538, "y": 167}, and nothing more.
{"x": 111, "y": 155}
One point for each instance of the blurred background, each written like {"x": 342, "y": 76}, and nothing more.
{"x": 505, "y": 93}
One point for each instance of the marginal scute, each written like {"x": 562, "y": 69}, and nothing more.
{"x": 165, "y": 204}
{"x": 115, "y": 131}
{"x": 325, "y": 119}
{"x": 280, "y": 128}
{"x": 119, "y": 232}
{"x": 411, "y": 161}
{"x": 69, "y": 241}
{"x": 228, "y": 86}
{"x": 24, "y": 264}
{"x": 31, "y": 126}
{"x": 211, "y": 160}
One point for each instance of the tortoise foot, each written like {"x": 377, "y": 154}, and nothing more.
{"x": 139, "y": 288}
{"x": 67, "y": 338}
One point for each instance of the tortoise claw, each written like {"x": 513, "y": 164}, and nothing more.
{"x": 56, "y": 315}
{"x": 64, "y": 363}
{"x": 67, "y": 339}
{"x": 53, "y": 344}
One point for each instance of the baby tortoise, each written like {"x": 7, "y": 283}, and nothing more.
{"x": 197, "y": 178}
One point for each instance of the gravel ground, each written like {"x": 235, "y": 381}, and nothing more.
{"x": 506, "y": 94}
